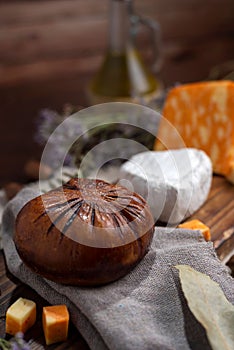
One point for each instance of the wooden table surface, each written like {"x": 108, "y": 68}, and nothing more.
{"x": 217, "y": 213}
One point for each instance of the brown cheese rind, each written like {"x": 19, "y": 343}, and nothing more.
{"x": 87, "y": 232}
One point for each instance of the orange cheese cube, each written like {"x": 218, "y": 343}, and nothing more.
{"x": 20, "y": 316}
{"x": 55, "y": 320}
{"x": 201, "y": 115}
{"x": 197, "y": 225}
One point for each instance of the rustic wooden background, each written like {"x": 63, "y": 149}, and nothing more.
{"x": 50, "y": 49}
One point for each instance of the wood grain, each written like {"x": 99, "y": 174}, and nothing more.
{"x": 50, "y": 49}
{"x": 50, "y": 32}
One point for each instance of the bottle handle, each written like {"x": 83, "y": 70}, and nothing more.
{"x": 154, "y": 33}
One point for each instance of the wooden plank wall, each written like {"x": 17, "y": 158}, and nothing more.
{"x": 50, "y": 49}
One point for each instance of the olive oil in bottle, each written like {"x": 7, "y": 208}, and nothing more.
{"x": 123, "y": 76}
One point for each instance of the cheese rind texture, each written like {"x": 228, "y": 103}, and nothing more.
{"x": 175, "y": 183}
{"x": 20, "y": 316}
{"x": 201, "y": 115}
{"x": 55, "y": 320}
{"x": 197, "y": 225}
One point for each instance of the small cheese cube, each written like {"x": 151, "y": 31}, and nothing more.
{"x": 197, "y": 225}
{"x": 55, "y": 321}
{"x": 20, "y": 316}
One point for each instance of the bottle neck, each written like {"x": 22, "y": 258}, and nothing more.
{"x": 119, "y": 34}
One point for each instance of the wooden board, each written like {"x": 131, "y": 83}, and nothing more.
{"x": 217, "y": 213}
{"x": 51, "y": 49}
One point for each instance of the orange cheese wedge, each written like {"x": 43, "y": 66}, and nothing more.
{"x": 20, "y": 316}
{"x": 197, "y": 225}
{"x": 55, "y": 320}
{"x": 201, "y": 115}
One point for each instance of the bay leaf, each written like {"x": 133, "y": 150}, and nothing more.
{"x": 209, "y": 305}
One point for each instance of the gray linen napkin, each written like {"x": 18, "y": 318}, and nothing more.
{"x": 145, "y": 310}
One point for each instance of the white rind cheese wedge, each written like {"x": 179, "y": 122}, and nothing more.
{"x": 175, "y": 183}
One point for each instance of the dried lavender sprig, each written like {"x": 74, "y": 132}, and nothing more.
{"x": 18, "y": 342}
{"x": 87, "y": 135}
{"x": 15, "y": 343}
{"x": 5, "y": 344}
